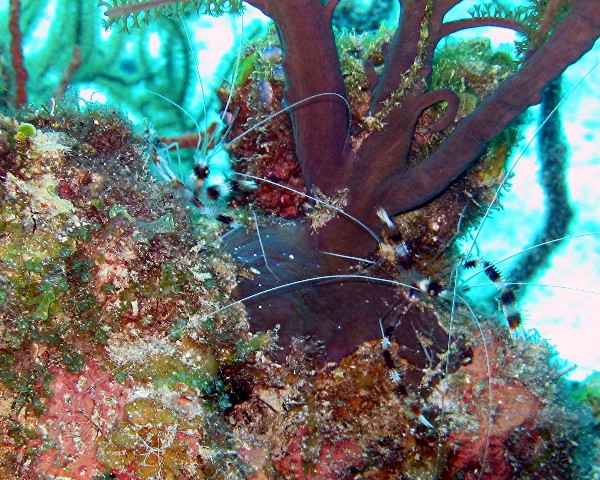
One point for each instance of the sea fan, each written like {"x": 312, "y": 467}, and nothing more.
{"x": 132, "y": 13}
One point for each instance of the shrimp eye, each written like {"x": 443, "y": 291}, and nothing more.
{"x": 430, "y": 287}
{"x": 213, "y": 192}
{"x": 201, "y": 171}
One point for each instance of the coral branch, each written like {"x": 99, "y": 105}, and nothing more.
{"x": 16, "y": 50}
{"x": 466, "y": 23}
{"x": 385, "y": 152}
{"x": 330, "y": 7}
{"x": 134, "y": 12}
{"x": 553, "y": 179}
{"x": 572, "y": 38}
{"x": 402, "y": 52}
{"x": 445, "y": 95}
{"x": 372, "y": 76}
{"x": 549, "y": 16}
{"x": 312, "y": 67}
{"x": 446, "y": 5}
{"x": 67, "y": 77}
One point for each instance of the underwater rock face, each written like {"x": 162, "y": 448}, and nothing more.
{"x": 98, "y": 287}
{"x": 160, "y": 388}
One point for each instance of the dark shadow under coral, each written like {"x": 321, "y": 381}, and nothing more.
{"x": 341, "y": 313}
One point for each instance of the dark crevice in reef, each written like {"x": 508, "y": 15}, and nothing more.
{"x": 341, "y": 313}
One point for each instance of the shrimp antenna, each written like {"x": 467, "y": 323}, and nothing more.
{"x": 183, "y": 110}
{"x": 509, "y": 172}
{"x": 287, "y": 109}
{"x": 203, "y": 141}
{"x": 308, "y": 281}
{"x": 235, "y": 71}
{"x": 201, "y": 85}
{"x": 262, "y": 248}
{"x": 512, "y": 255}
{"x": 490, "y": 394}
{"x": 546, "y": 285}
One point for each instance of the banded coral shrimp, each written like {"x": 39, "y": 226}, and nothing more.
{"x": 210, "y": 187}
{"x": 526, "y": 336}
{"x": 206, "y": 143}
{"x": 568, "y": 282}
{"x": 459, "y": 419}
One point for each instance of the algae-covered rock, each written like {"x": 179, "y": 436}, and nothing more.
{"x": 101, "y": 272}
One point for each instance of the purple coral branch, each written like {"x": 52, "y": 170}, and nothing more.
{"x": 549, "y": 16}
{"x": 329, "y": 8}
{"x": 572, "y": 38}
{"x": 386, "y": 151}
{"x": 445, "y": 5}
{"x": 312, "y": 67}
{"x": 466, "y": 23}
{"x": 402, "y": 51}
{"x": 376, "y": 170}
{"x": 437, "y": 96}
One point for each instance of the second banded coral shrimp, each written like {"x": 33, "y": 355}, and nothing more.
{"x": 480, "y": 402}
{"x": 208, "y": 182}
{"x": 507, "y": 360}
{"x": 534, "y": 268}
{"x": 559, "y": 284}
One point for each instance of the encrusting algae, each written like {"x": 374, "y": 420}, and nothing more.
{"x": 89, "y": 265}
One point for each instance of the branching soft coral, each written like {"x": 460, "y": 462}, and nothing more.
{"x": 134, "y": 12}
{"x": 378, "y": 168}
{"x": 378, "y": 171}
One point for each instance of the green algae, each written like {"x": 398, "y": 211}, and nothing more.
{"x": 244, "y": 348}
{"x": 588, "y": 393}
{"x": 67, "y": 281}
{"x": 94, "y": 249}
{"x": 25, "y": 130}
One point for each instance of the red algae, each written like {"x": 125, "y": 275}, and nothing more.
{"x": 83, "y": 409}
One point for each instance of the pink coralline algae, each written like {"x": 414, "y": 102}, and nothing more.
{"x": 83, "y": 409}
{"x": 334, "y": 460}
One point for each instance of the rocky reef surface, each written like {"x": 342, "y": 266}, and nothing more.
{"x": 114, "y": 365}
